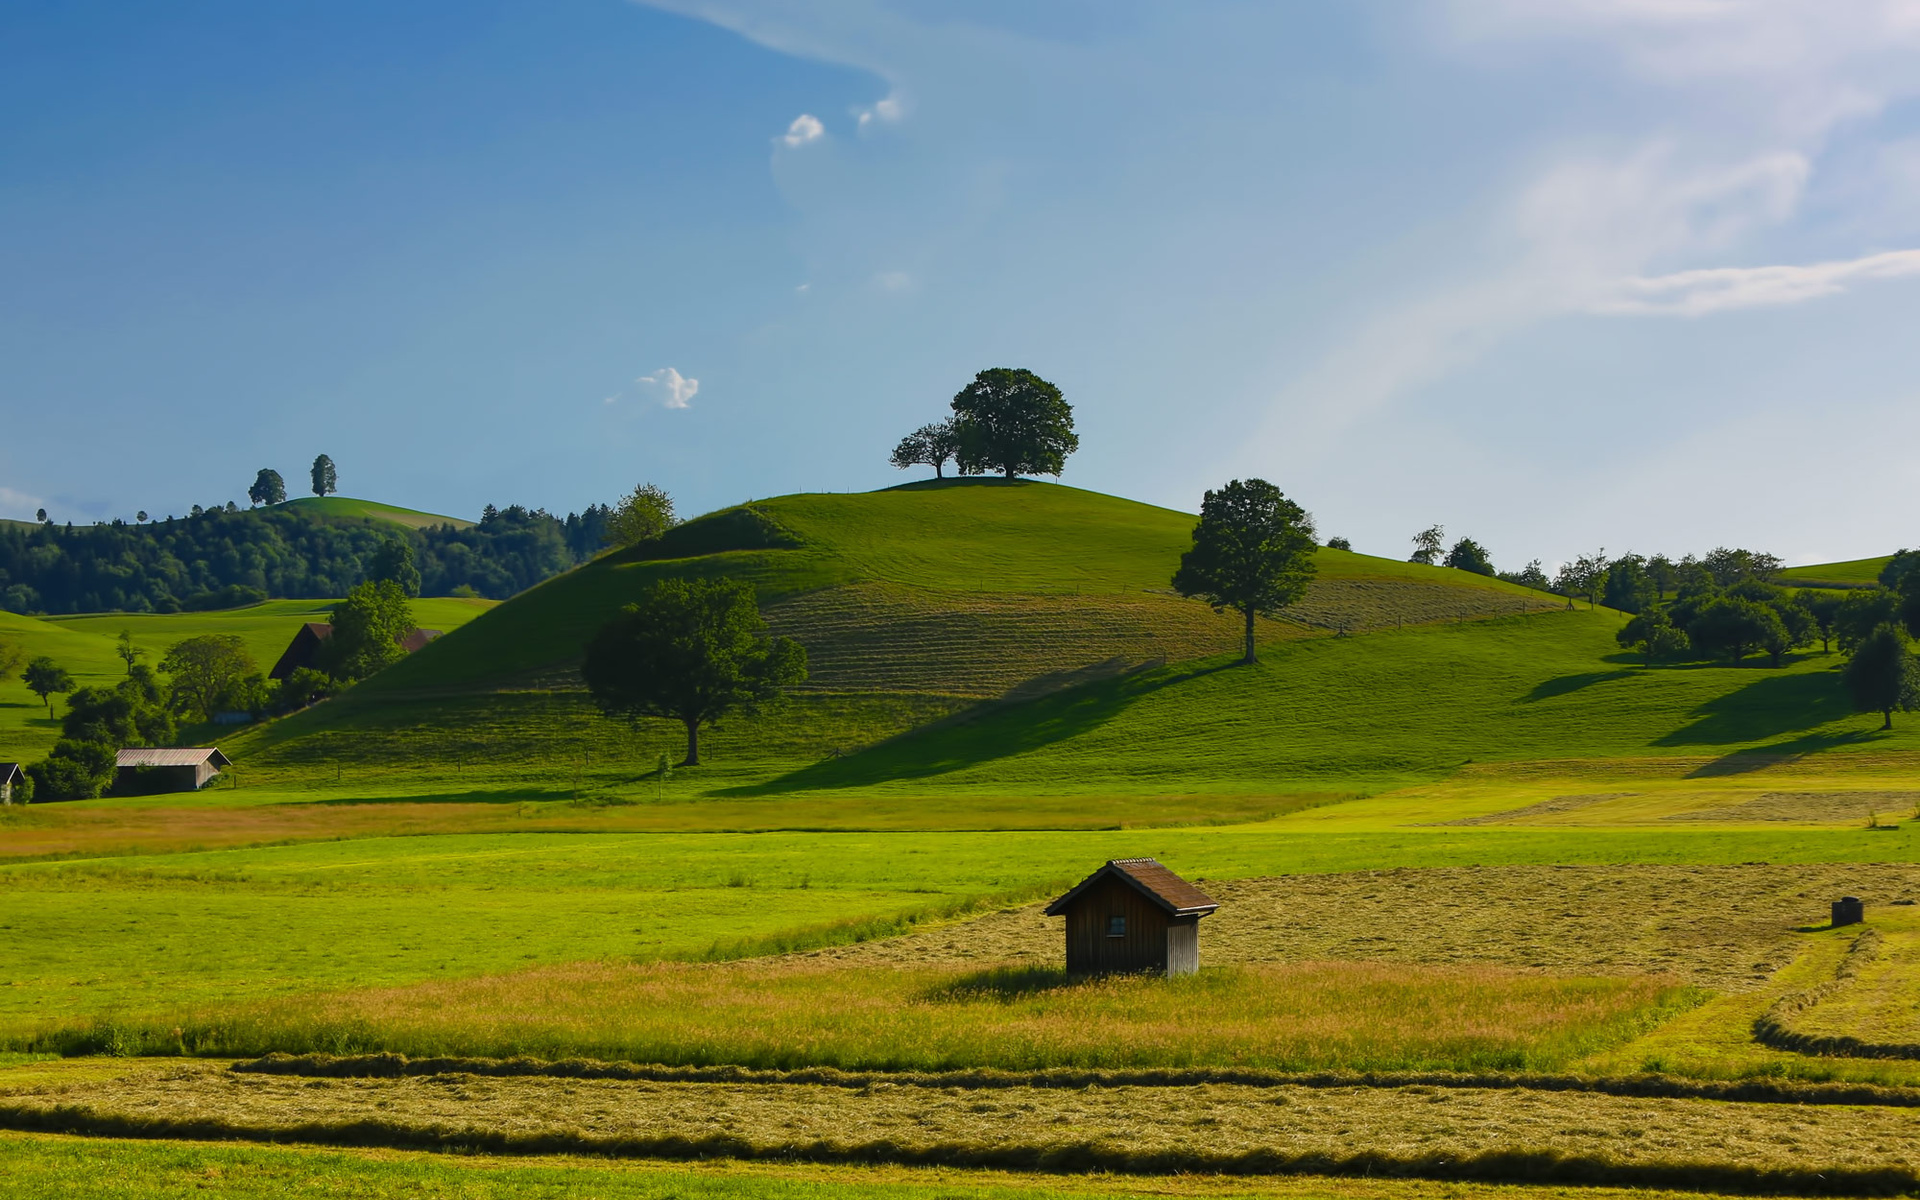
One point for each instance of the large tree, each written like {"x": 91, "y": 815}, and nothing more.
{"x": 1653, "y": 635}
{"x": 930, "y": 445}
{"x": 368, "y": 627}
{"x": 1734, "y": 626}
{"x": 642, "y": 515}
{"x": 1469, "y": 555}
{"x": 1882, "y": 675}
{"x": 325, "y": 479}
{"x": 1824, "y": 607}
{"x": 1427, "y": 545}
{"x": 393, "y": 562}
{"x": 1585, "y": 576}
{"x": 44, "y": 677}
{"x": 1252, "y": 551}
{"x": 268, "y": 487}
{"x": 206, "y": 671}
{"x": 133, "y": 712}
{"x": 689, "y": 650}
{"x": 1861, "y": 612}
{"x": 1012, "y": 421}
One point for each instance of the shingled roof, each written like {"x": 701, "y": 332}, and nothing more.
{"x": 157, "y": 756}
{"x": 1155, "y": 882}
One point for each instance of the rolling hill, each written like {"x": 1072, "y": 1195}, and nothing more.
{"x": 348, "y": 508}
{"x": 990, "y": 640}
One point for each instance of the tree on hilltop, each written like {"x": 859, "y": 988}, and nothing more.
{"x": 1427, "y": 545}
{"x": 1469, "y": 555}
{"x": 930, "y": 445}
{"x": 690, "y": 650}
{"x": 1012, "y": 421}
{"x": 44, "y": 678}
{"x": 325, "y": 480}
{"x": 1252, "y": 551}
{"x": 642, "y": 515}
{"x": 1882, "y": 675}
{"x": 268, "y": 487}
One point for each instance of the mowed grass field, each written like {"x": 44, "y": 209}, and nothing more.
{"x": 347, "y": 508}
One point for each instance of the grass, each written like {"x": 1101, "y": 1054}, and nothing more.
{"x": 786, "y": 1014}
{"x": 1860, "y": 572}
{"x": 1879, "y": 1005}
{"x": 347, "y": 508}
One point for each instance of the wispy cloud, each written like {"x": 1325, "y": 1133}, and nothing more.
{"x": 887, "y": 112}
{"x": 1717, "y": 289}
{"x": 805, "y": 128}
{"x": 19, "y": 505}
{"x": 673, "y": 388}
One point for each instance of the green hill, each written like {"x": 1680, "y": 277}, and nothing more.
{"x": 348, "y": 508}
{"x": 1861, "y": 572}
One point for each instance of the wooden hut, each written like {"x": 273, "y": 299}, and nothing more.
{"x": 304, "y": 649}
{"x": 1133, "y": 915}
{"x": 10, "y": 779}
{"x": 150, "y": 769}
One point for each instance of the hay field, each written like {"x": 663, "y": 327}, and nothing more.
{"x": 1876, "y": 999}
{"x": 1504, "y": 1133}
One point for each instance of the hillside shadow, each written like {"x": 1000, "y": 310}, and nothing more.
{"x": 983, "y": 733}
{"x": 1759, "y": 758}
{"x": 1567, "y": 684}
{"x": 959, "y": 481}
{"x": 1769, "y": 707}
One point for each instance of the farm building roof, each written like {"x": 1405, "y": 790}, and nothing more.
{"x": 1163, "y": 887}
{"x": 306, "y": 643}
{"x": 9, "y": 771}
{"x": 155, "y": 756}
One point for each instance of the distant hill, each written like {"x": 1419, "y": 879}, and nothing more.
{"x": 345, "y": 507}
{"x": 1860, "y": 572}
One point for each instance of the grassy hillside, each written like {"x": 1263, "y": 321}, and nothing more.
{"x": 86, "y": 646}
{"x": 1861, "y": 572}
{"x": 348, "y": 508}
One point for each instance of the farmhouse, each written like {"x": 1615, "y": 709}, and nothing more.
{"x": 304, "y": 649}
{"x": 1133, "y": 915}
{"x": 147, "y": 770}
{"x": 10, "y": 777}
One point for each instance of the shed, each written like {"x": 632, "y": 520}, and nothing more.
{"x": 1133, "y": 915}
{"x": 10, "y": 777}
{"x": 304, "y": 649}
{"x": 150, "y": 769}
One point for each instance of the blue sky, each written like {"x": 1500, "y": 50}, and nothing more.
{"x": 1559, "y": 274}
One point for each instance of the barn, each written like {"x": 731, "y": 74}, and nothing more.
{"x": 304, "y": 649}
{"x": 1133, "y": 915}
{"x": 149, "y": 769}
{"x": 10, "y": 778}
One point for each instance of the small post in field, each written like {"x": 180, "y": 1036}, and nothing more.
{"x": 1848, "y": 910}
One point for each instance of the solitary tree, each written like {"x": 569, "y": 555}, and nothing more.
{"x": 141, "y": 516}
{"x": 1252, "y": 551}
{"x": 932, "y": 445}
{"x": 205, "y": 671}
{"x": 1012, "y": 421}
{"x": 689, "y": 650}
{"x": 1469, "y": 555}
{"x": 268, "y": 487}
{"x": 128, "y": 652}
{"x": 393, "y": 562}
{"x": 643, "y": 514}
{"x": 44, "y": 677}
{"x": 1882, "y": 676}
{"x": 324, "y": 478}
{"x": 1427, "y": 544}
{"x": 368, "y": 627}
{"x": 40, "y": 515}
{"x": 1340, "y": 543}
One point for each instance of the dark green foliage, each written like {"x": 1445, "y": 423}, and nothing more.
{"x": 1862, "y": 612}
{"x": 1339, "y": 543}
{"x": 1012, "y": 421}
{"x": 368, "y": 627}
{"x": 1469, "y": 555}
{"x": 644, "y": 514}
{"x": 691, "y": 650}
{"x": 1427, "y": 544}
{"x": 211, "y": 673}
{"x": 1899, "y": 567}
{"x": 932, "y": 445}
{"x": 302, "y": 687}
{"x": 73, "y": 770}
{"x": 131, "y": 713}
{"x": 128, "y": 652}
{"x": 1882, "y": 675}
{"x": 44, "y": 678}
{"x": 233, "y": 595}
{"x": 1585, "y": 576}
{"x": 1252, "y": 552}
{"x": 1823, "y": 607}
{"x": 1654, "y": 635}
{"x": 1531, "y": 575}
{"x": 268, "y": 487}
{"x": 1728, "y": 567}
{"x": 393, "y": 563}
{"x": 325, "y": 478}
{"x": 1734, "y": 627}
{"x": 1629, "y": 586}
{"x": 1664, "y": 576}
{"x": 1908, "y": 590}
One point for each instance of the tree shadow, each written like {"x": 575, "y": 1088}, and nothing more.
{"x": 1565, "y": 684}
{"x": 1759, "y": 758}
{"x": 1769, "y": 707}
{"x": 1004, "y": 984}
{"x": 985, "y": 732}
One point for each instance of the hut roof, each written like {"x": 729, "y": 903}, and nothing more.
{"x": 9, "y": 772}
{"x": 306, "y": 641}
{"x": 156, "y": 756}
{"x": 1155, "y": 882}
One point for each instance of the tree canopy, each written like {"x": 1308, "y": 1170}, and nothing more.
{"x": 1653, "y": 635}
{"x": 1012, "y": 421}
{"x": 368, "y": 627}
{"x": 642, "y": 515}
{"x": 210, "y": 674}
{"x": 930, "y": 445}
{"x": 46, "y": 678}
{"x": 393, "y": 563}
{"x": 1469, "y": 555}
{"x": 690, "y": 650}
{"x": 325, "y": 479}
{"x": 268, "y": 487}
{"x": 1882, "y": 675}
{"x": 1252, "y": 552}
{"x": 133, "y": 712}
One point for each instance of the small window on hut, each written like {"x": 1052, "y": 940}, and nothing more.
{"x": 1116, "y": 927}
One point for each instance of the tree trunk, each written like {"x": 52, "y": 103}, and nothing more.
{"x": 1889, "y": 720}
{"x": 1010, "y": 475}
{"x": 1249, "y": 658}
{"x": 940, "y": 469}
{"x": 693, "y": 744}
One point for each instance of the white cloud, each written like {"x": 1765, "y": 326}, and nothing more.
{"x": 805, "y": 128}
{"x": 1716, "y": 289}
{"x": 19, "y": 505}
{"x": 674, "y": 389}
{"x": 887, "y": 111}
